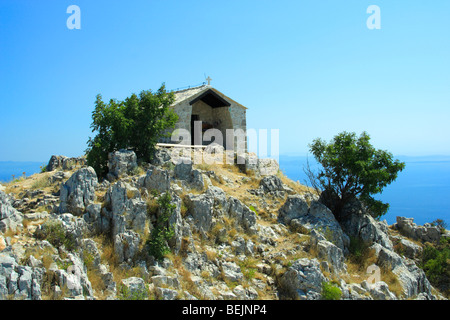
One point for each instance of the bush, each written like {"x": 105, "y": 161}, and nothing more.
{"x": 163, "y": 231}
{"x": 436, "y": 264}
{"x": 330, "y": 291}
{"x": 126, "y": 294}
{"x": 53, "y": 231}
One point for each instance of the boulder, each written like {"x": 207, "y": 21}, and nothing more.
{"x": 200, "y": 208}
{"x": 426, "y": 233}
{"x": 74, "y": 278}
{"x": 121, "y": 163}
{"x": 126, "y": 245}
{"x": 412, "y": 279}
{"x": 157, "y": 179}
{"x": 125, "y": 208}
{"x": 333, "y": 255}
{"x": 10, "y": 218}
{"x": 65, "y": 163}
{"x": 78, "y": 192}
{"x": 183, "y": 169}
{"x": 160, "y": 157}
{"x": 379, "y": 290}
{"x": 249, "y": 162}
{"x": 366, "y": 228}
{"x": 303, "y": 280}
{"x": 272, "y": 185}
{"x": 166, "y": 294}
{"x": 296, "y": 212}
{"x": 243, "y": 215}
{"x": 232, "y": 272}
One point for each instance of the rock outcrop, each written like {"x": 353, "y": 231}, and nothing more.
{"x": 231, "y": 235}
{"x": 78, "y": 192}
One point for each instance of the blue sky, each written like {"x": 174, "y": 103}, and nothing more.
{"x": 308, "y": 68}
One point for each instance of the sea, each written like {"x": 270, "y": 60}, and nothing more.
{"x": 421, "y": 191}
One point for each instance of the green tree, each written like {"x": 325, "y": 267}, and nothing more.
{"x": 137, "y": 123}
{"x": 351, "y": 168}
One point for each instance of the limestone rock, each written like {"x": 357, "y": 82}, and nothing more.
{"x": 303, "y": 280}
{"x": 412, "y": 279}
{"x": 10, "y": 218}
{"x": 157, "y": 179}
{"x": 121, "y": 163}
{"x": 425, "y": 233}
{"x": 65, "y": 163}
{"x": 378, "y": 290}
{"x": 249, "y": 162}
{"x": 161, "y": 157}
{"x": 296, "y": 212}
{"x": 232, "y": 272}
{"x": 183, "y": 169}
{"x": 126, "y": 245}
{"x": 78, "y": 192}
{"x": 334, "y": 255}
{"x": 201, "y": 209}
{"x": 366, "y": 228}
{"x": 245, "y": 218}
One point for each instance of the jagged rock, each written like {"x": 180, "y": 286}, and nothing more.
{"x": 303, "y": 280}
{"x": 295, "y": 207}
{"x": 134, "y": 287}
{"x": 121, "y": 163}
{"x": 334, "y": 255}
{"x": 366, "y": 228}
{"x": 412, "y": 279}
{"x": 249, "y": 162}
{"x": 161, "y": 157}
{"x": 64, "y": 227}
{"x": 378, "y": 290}
{"x": 78, "y": 192}
{"x": 74, "y": 279}
{"x": 272, "y": 185}
{"x": 126, "y": 245}
{"x": 232, "y": 272}
{"x": 58, "y": 176}
{"x": 125, "y": 208}
{"x": 157, "y": 179}
{"x": 165, "y": 281}
{"x": 90, "y": 253}
{"x": 408, "y": 228}
{"x": 244, "y": 216}
{"x": 268, "y": 167}
{"x": 75, "y": 227}
{"x": 243, "y": 247}
{"x": 166, "y": 294}
{"x": 201, "y": 209}
{"x": 406, "y": 247}
{"x": 296, "y": 212}
{"x": 108, "y": 281}
{"x": 205, "y": 207}
{"x": 183, "y": 169}
{"x": 10, "y": 218}
{"x": 176, "y": 222}
{"x": 65, "y": 163}
{"x": 94, "y": 218}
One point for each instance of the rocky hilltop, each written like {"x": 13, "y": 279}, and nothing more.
{"x": 238, "y": 232}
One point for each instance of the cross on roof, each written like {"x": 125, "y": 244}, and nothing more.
{"x": 209, "y": 80}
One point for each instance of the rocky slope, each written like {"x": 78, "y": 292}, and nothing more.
{"x": 239, "y": 232}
